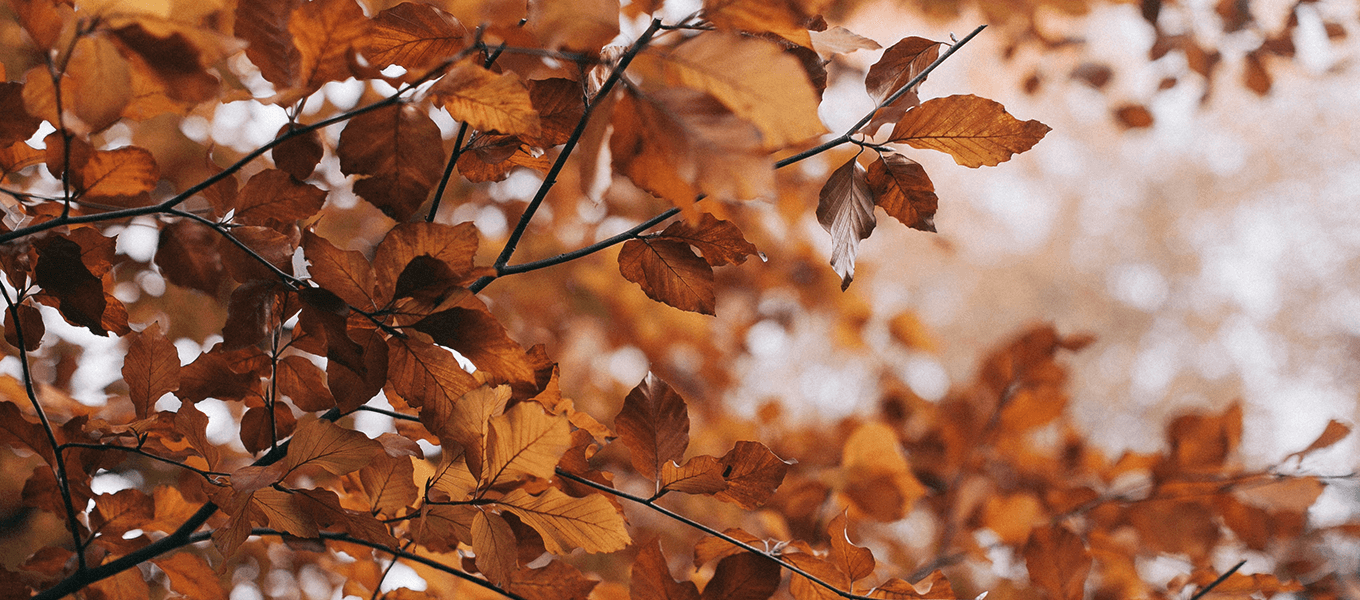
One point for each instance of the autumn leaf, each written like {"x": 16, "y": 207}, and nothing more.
{"x": 328, "y": 446}
{"x": 669, "y": 272}
{"x": 454, "y": 245}
{"x": 975, "y": 131}
{"x": 899, "y": 64}
{"x": 933, "y": 587}
{"x": 1334, "y": 432}
{"x": 839, "y": 40}
{"x": 346, "y": 273}
{"x": 752, "y": 77}
{"x": 584, "y": 25}
{"x": 264, "y": 25}
{"x": 901, "y": 188}
{"x": 487, "y": 101}
{"x": 191, "y": 576}
{"x": 97, "y": 82}
{"x": 753, "y": 473}
{"x": 743, "y": 576}
{"x": 802, "y": 588}
{"x": 524, "y": 441}
{"x": 556, "y": 581}
{"x": 590, "y": 523}
{"x": 399, "y": 150}
{"x": 273, "y": 197}
{"x": 18, "y": 124}
{"x": 415, "y": 36}
{"x": 298, "y": 154}
{"x": 494, "y": 543}
{"x": 282, "y": 512}
{"x": 784, "y": 18}
{"x": 651, "y": 577}
{"x": 325, "y": 32}
{"x": 121, "y": 511}
{"x": 187, "y": 256}
{"x": 720, "y": 242}
{"x": 303, "y": 382}
{"x": 30, "y": 320}
{"x": 1058, "y": 562}
{"x": 424, "y": 373}
{"x": 654, "y": 425}
{"x": 699, "y": 475}
{"x": 854, "y": 561}
{"x": 388, "y": 483}
{"x": 878, "y": 479}
{"x": 558, "y": 102}
{"x": 479, "y": 337}
{"x": 119, "y": 177}
{"x": 69, "y": 270}
{"x": 150, "y": 368}
{"x": 846, "y": 210}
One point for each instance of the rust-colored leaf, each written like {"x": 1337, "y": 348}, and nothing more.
{"x": 187, "y": 255}
{"x": 264, "y": 24}
{"x": 120, "y": 512}
{"x": 150, "y": 368}
{"x": 400, "y": 151}
{"x": 331, "y": 447}
{"x": 304, "y": 383}
{"x": 325, "y": 32}
{"x": 30, "y": 320}
{"x": 654, "y": 425}
{"x": 274, "y": 247}
{"x": 282, "y": 513}
{"x": 752, "y": 77}
{"x": 98, "y": 82}
{"x": 878, "y": 479}
{"x": 1058, "y": 562}
{"x": 901, "y": 188}
{"x": 388, "y": 482}
{"x": 487, "y": 101}
{"x": 753, "y": 473}
{"x": 669, "y": 272}
{"x": 854, "y": 561}
{"x": 584, "y": 25}
{"x": 846, "y": 210}
{"x": 466, "y": 422}
{"x": 252, "y": 313}
{"x": 1333, "y": 433}
{"x": 17, "y": 125}
{"x": 119, "y": 177}
{"x": 784, "y": 18}
{"x": 591, "y": 523}
{"x": 720, "y": 242}
{"x": 494, "y": 543}
{"x": 424, "y": 373}
{"x": 415, "y": 36}
{"x": 191, "y": 576}
{"x": 454, "y": 245}
{"x": 1133, "y": 116}
{"x": 556, "y": 581}
{"x": 69, "y": 273}
{"x": 743, "y": 576}
{"x": 525, "y": 441}
{"x": 710, "y": 549}
{"x": 699, "y": 475}
{"x": 346, "y": 273}
{"x": 899, "y": 64}
{"x": 933, "y": 587}
{"x": 273, "y": 197}
{"x": 975, "y": 131}
{"x": 480, "y": 338}
{"x": 559, "y": 103}
{"x": 651, "y": 577}
{"x": 802, "y": 588}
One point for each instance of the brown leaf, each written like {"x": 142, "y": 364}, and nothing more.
{"x": 119, "y": 177}
{"x": 281, "y": 512}
{"x": 480, "y": 338}
{"x": 328, "y": 446}
{"x": 584, "y": 25}
{"x": 934, "y": 587}
{"x": 669, "y": 272}
{"x": 454, "y": 245}
{"x": 591, "y": 523}
{"x": 260, "y": 430}
{"x": 743, "y": 576}
{"x": 901, "y": 188}
{"x": 677, "y": 143}
{"x": 274, "y": 247}
{"x": 346, "y": 273}
{"x": 210, "y": 376}
{"x": 69, "y": 272}
{"x": 187, "y": 255}
{"x": 494, "y": 543}
{"x": 839, "y": 40}
{"x": 272, "y": 198}
{"x": 846, "y": 210}
{"x": 389, "y": 484}
{"x": 752, "y": 77}
{"x": 264, "y": 24}
{"x": 878, "y": 479}
{"x": 1058, "y": 562}
{"x": 424, "y": 373}
{"x": 466, "y": 422}
{"x": 193, "y": 425}
{"x": 720, "y": 242}
{"x": 713, "y": 548}
{"x": 975, "y": 131}
{"x": 150, "y": 368}
{"x": 899, "y": 64}
{"x": 325, "y": 33}
{"x": 441, "y": 527}
{"x": 401, "y": 151}
{"x": 299, "y": 154}
{"x": 524, "y": 441}
{"x": 491, "y": 157}
{"x": 17, "y": 125}
{"x": 323, "y": 506}
{"x": 415, "y": 36}
{"x": 252, "y": 313}
{"x": 117, "y": 513}
{"x": 304, "y": 383}
{"x": 487, "y": 101}
{"x": 700, "y": 475}
{"x": 191, "y": 576}
{"x": 30, "y": 320}
{"x": 97, "y": 83}
{"x": 127, "y": 584}
{"x": 559, "y": 104}
{"x": 654, "y": 425}
{"x": 1205, "y": 442}
{"x": 753, "y": 473}
{"x": 802, "y": 588}
{"x": 852, "y": 560}
{"x": 784, "y": 18}
{"x": 556, "y": 581}
{"x": 651, "y": 577}
{"x": 1133, "y": 116}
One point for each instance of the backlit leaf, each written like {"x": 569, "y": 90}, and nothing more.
{"x": 264, "y": 24}
{"x": 525, "y": 441}
{"x": 583, "y": 25}
{"x": 559, "y": 105}
{"x": 191, "y": 576}
{"x": 346, "y": 273}
{"x": 303, "y": 382}
{"x": 415, "y": 36}
{"x": 119, "y": 512}
{"x": 150, "y": 368}
{"x": 901, "y": 188}
{"x": 274, "y": 197}
{"x": 720, "y": 242}
{"x": 753, "y": 473}
{"x": 933, "y": 587}
{"x": 699, "y": 475}
{"x": 480, "y": 338}
{"x": 556, "y": 581}
{"x": 654, "y": 425}
{"x": 710, "y": 549}
{"x": 98, "y": 83}
{"x": 325, "y": 32}
{"x": 899, "y": 64}
{"x": 802, "y": 588}
{"x": 591, "y": 523}
{"x": 743, "y": 576}
{"x": 975, "y": 131}
{"x": 669, "y": 272}
{"x": 453, "y": 245}
{"x": 400, "y": 150}
{"x": 1058, "y": 562}
{"x": 18, "y": 125}
{"x": 389, "y": 484}
{"x": 466, "y": 422}
{"x": 839, "y": 40}
{"x": 424, "y": 373}
{"x": 117, "y": 177}
{"x": 784, "y": 18}
{"x": 330, "y": 447}
{"x": 651, "y": 577}
{"x": 1335, "y": 432}
{"x": 753, "y": 78}
{"x": 846, "y": 210}
{"x": 64, "y": 271}
{"x": 854, "y": 561}
{"x": 282, "y": 513}
{"x": 487, "y": 101}
{"x": 494, "y": 543}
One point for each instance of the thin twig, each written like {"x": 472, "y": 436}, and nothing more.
{"x": 208, "y": 475}
{"x": 1215, "y": 583}
{"x": 457, "y": 150}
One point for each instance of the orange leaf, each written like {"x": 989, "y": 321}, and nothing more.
{"x": 802, "y": 588}
{"x": 934, "y": 587}
{"x": 264, "y": 24}
{"x": 17, "y": 125}
{"x": 784, "y": 18}
{"x": 524, "y": 441}
{"x": 753, "y": 473}
{"x": 669, "y": 272}
{"x": 583, "y": 25}
{"x": 191, "y": 576}
{"x": 878, "y": 479}
{"x": 899, "y": 64}
{"x": 654, "y": 425}
{"x": 117, "y": 513}
{"x": 975, "y": 131}
{"x": 713, "y": 548}
{"x": 557, "y": 581}
{"x": 323, "y": 506}
{"x": 346, "y": 273}
{"x": 494, "y": 544}
{"x": 480, "y": 338}
{"x": 651, "y": 577}
{"x": 119, "y": 177}
{"x": 491, "y": 157}
{"x": 487, "y": 101}
{"x": 273, "y": 197}
{"x": 720, "y": 242}
{"x": 389, "y": 484}
{"x": 453, "y": 245}
{"x": 281, "y": 513}
{"x": 400, "y": 149}
{"x": 752, "y": 77}
{"x": 465, "y": 421}
{"x": 187, "y": 256}
{"x": 559, "y": 106}
{"x": 329, "y": 446}
{"x": 325, "y": 32}
{"x": 424, "y": 373}
{"x": 304, "y": 383}
{"x": 846, "y": 210}
{"x": 414, "y": 36}
{"x": 1058, "y": 562}
{"x": 745, "y": 576}
{"x": 1335, "y": 432}
{"x": 852, "y": 560}
{"x": 441, "y": 527}
{"x": 700, "y": 475}
{"x": 193, "y": 425}
{"x": 591, "y": 523}
{"x": 98, "y": 82}
{"x": 150, "y": 368}
{"x": 901, "y": 188}
{"x": 127, "y": 585}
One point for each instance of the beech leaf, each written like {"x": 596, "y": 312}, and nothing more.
{"x": 743, "y": 576}
{"x": 899, "y": 64}
{"x": 325, "y": 32}
{"x": 494, "y": 543}
{"x": 654, "y": 425}
{"x": 400, "y": 150}
{"x": 901, "y": 188}
{"x": 487, "y": 101}
{"x": 415, "y": 36}
{"x": 591, "y": 523}
{"x": 846, "y": 210}
{"x": 525, "y": 441}
{"x": 720, "y": 242}
{"x": 753, "y": 473}
{"x": 651, "y": 577}
{"x": 1058, "y": 562}
{"x": 669, "y": 272}
{"x": 975, "y": 131}
{"x": 150, "y": 368}
{"x": 329, "y": 446}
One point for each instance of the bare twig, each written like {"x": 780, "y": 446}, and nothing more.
{"x": 1215, "y": 583}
